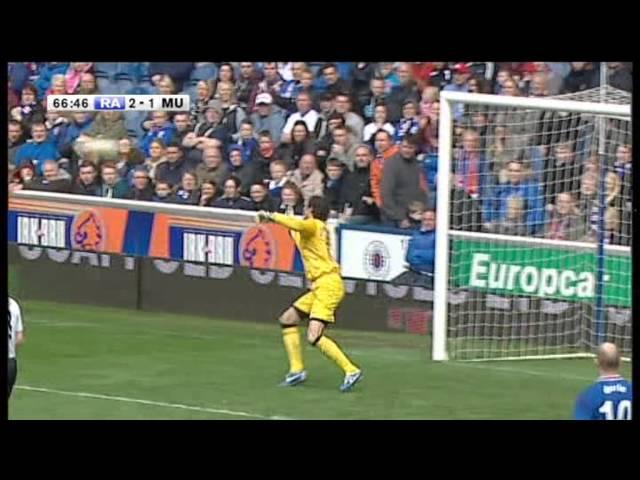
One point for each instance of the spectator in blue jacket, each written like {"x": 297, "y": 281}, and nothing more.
{"x": 497, "y": 203}
{"x": 37, "y": 150}
{"x": 421, "y": 254}
{"x": 161, "y": 128}
{"x": 422, "y": 245}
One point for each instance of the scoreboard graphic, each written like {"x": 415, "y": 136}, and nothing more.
{"x": 118, "y": 103}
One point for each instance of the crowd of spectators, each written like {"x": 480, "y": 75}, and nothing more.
{"x": 271, "y": 135}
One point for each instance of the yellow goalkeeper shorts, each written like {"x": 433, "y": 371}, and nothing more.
{"x": 324, "y": 298}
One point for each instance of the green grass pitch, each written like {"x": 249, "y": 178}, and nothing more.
{"x": 81, "y": 362}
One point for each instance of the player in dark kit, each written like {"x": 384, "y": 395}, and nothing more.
{"x": 610, "y": 398}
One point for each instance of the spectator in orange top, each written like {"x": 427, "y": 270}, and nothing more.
{"x": 385, "y": 150}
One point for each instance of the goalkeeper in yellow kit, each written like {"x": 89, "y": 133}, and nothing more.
{"x": 320, "y": 303}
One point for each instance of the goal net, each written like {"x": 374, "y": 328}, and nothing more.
{"x": 534, "y": 212}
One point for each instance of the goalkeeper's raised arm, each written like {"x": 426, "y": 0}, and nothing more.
{"x": 305, "y": 226}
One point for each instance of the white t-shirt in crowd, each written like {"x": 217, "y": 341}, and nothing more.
{"x": 310, "y": 118}
{"x": 372, "y": 128}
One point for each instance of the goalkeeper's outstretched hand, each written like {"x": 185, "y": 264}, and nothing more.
{"x": 263, "y": 217}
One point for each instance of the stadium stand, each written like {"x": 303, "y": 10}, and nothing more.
{"x": 218, "y": 123}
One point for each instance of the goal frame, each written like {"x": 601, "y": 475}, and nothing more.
{"x": 443, "y": 234}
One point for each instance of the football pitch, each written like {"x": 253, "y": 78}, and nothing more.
{"x": 83, "y": 362}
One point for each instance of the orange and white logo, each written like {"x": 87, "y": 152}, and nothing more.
{"x": 88, "y": 231}
{"x": 258, "y": 248}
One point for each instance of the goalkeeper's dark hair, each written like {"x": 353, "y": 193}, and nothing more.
{"x": 319, "y": 207}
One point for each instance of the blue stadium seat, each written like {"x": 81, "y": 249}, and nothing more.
{"x": 106, "y": 86}
{"x": 145, "y": 83}
{"x": 134, "y": 71}
{"x": 143, "y": 73}
{"x": 346, "y": 69}
{"x": 204, "y": 72}
{"x": 124, "y": 84}
{"x": 315, "y": 66}
{"x": 192, "y": 92}
{"x": 144, "y": 68}
{"x": 106, "y": 69}
{"x": 125, "y": 68}
{"x": 319, "y": 84}
{"x": 138, "y": 90}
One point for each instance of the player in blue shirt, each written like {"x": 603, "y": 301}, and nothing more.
{"x": 609, "y": 398}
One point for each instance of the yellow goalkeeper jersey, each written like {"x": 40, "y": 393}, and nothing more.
{"x": 312, "y": 239}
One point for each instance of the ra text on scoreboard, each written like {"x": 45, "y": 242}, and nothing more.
{"x": 125, "y": 103}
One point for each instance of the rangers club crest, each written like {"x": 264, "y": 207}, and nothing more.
{"x": 377, "y": 259}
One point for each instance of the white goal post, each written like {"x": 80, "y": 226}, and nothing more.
{"x": 526, "y": 341}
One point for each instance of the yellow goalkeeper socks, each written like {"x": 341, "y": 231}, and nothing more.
{"x": 293, "y": 346}
{"x": 331, "y": 350}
